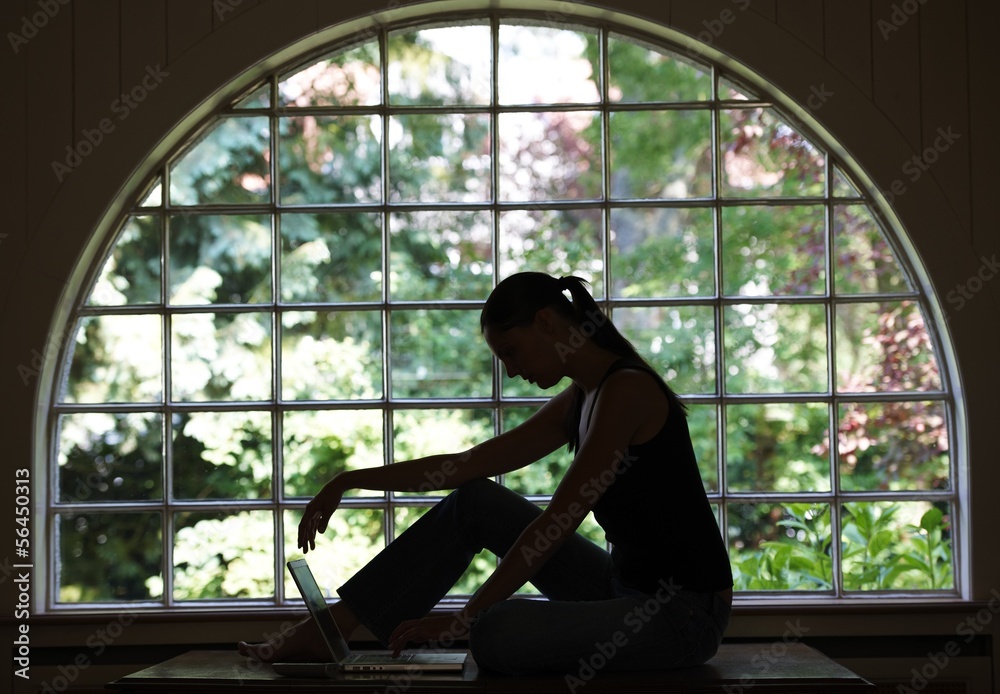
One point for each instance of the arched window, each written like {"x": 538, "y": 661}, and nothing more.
{"x": 297, "y": 293}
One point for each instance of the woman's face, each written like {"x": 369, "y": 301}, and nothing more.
{"x": 528, "y": 351}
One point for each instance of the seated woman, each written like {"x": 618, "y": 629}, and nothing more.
{"x": 661, "y": 598}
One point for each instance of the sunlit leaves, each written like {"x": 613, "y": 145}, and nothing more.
{"x": 280, "y": 302}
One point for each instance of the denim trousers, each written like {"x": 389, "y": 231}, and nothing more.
{"x": 589, "y": 622}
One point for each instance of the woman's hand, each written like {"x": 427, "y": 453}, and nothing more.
{"x": 445, "y": 629}
{"x": 317, "y": 515}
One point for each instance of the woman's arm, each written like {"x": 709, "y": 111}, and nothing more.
{"x": 617, "y": 417}
{"x": 539, "y": 435}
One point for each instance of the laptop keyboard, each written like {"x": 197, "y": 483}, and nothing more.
{"x": 381, "y": 659}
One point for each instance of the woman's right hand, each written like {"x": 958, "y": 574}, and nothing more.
{"x": 317, "y": 515}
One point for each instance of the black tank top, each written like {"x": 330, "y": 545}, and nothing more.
{"x": 654, "y": 510}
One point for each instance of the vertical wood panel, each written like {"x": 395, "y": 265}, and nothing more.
{"x": 804, "y": 19}
{"x": 896, "y": 71}
{"x": 945, "y": 112}
{"x": 96, "y": 66}
{"x": 143, "y": 38}
{"x": 983, "y": 19}
{"x": 848, "y": 40}
{"x": 48, "y": 108}
{"x": 188, "y": 22}
{"x": 12, "y": 73}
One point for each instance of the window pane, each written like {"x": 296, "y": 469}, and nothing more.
{"x": 221, "y": 356}
{"x": 679, "y": 341}
{"x": 661, "y": 154}
{"x": 662, "y": 252}
{"x": 703, "y": 423}
{"x": 345, "y": 78}
{"x": 774, "y": 250}
{"x": 865, "y": 263}
{"x": 97, "y": 562}
{"x": 641, "y": 72}
{"x": 116, "y": 359}
{"x": 441, "y": 254}
{"x": 352, "y": 539}
{"x": 439, "y": 354}
{"x": 440, "y": 66}
{"x": 780, "y": 547}
{"x": 773, "y": 348}
{"x": 439, "y": 158}
{"x": 155, "y": 196}
{"x": 220, "y": 259}
{"x": 559, "y": 242}
{"x": 110, "y": 457}
{"x": 419, "y": 433}
{"x": 222, "y": 455}
{"x": 230, "y": 164}
{"x": 730, "y": 89}
{"x": 541, "y": 477}
{"x": 893, "y": 446}
{"x": 318, "y": 445}
{"x": 480, "y": 569}
{"x": 331, "y": 356}
{"x": 762, "y": 155}
{"x": 545, "y": 65}
{"x": 773, "y": 447}
{"x": 217, "y": 555}
{"x": 903, "y": 545}
{"x": 258, "y": 98}
{"x": 330, "y": 159}
{"x": 550, "y": 155}
{"x": 331, "y": 257}
{"x": 884, "y": 346}
{"x": 131, "y": 272}
{"x": 841, "y": 185}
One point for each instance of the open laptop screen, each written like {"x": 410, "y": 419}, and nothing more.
{"x": 320, "y": 611}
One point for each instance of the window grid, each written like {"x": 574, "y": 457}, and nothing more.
{"x": 390, "y": 404}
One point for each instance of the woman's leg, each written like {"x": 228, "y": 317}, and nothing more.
{"x": 418, "y": 568}
{"x": 636, "y": 631}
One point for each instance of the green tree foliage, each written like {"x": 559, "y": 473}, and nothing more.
{"x": 667, "y": 240}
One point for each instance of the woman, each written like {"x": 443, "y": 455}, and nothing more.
{"x": 661, "y": 598}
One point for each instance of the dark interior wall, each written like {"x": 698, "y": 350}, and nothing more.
{"x": 895, "y": 72}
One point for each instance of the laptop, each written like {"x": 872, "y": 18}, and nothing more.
{"x": 342, "y": 658}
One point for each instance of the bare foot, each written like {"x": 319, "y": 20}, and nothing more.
{"x": 301, "y": 642}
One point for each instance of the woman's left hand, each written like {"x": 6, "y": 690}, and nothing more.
{"x": 444, "y": 629}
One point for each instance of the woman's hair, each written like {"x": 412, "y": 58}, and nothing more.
{"x": 517, "y": 299}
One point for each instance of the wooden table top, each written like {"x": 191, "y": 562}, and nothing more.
{"x": 743, "y": 668}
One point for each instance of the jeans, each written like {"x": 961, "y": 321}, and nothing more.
{"x": 589, "y": 623}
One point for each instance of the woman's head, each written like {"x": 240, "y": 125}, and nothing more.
{"x": 529, "y": 313}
